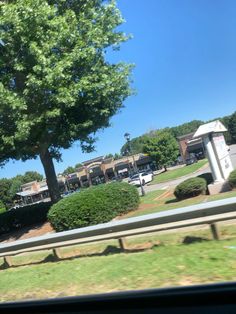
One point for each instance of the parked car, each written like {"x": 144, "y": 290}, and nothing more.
{"x": 143, "y": 177}
{"x": 67, "y": 193}
{"x": 116, "y": 179}
{"x": 191, "y": 161}
{"x": 148, "y": 171}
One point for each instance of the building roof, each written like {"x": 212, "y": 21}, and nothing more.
{"x": 88, "y": 162}
{"x": 211, "y": 127}
{"x": 194, "y": 141}
{"x": 31, "y": 192}
{"x": 185, "y": 136}
{"x": 29, "y": 183}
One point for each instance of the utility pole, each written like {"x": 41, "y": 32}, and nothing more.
{"x": 127, "y": 137}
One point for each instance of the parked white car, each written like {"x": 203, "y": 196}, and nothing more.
{"x": 143, "y": 177}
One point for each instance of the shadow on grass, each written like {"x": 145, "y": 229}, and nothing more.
{"x": 192, "y": 239}
{"x": 172, "y": 200}
{"x": 19, "y": 232}
{"x": 109, "y": 250}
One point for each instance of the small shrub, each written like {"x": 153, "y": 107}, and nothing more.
{"x": 232, "y": 179}
{"x": 94, "y": 205}
{"x": 190, "y": 187}
{"x": 24, "y": 216}
{"x": 207, "y": 176}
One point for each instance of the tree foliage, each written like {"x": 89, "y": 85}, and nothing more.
{"x": 2, "y": 207}
{"x": 232, "y": 127}
{"x": 56, "y": 85}
{"x": 5, "y": 185}
{"x": 69, "y": 170}
{"x": 136, "y": 145}
{"x": 139, "y": 142}
{"x": 108, "y": 156}
{"x": 186, "y": 128}
{"x": 9, "y": 187}
{"x": 30, "y": 176}
{"x": 163, "y": 148}
{"x": 117, "y": 156}
{"x": 78, "y": 165}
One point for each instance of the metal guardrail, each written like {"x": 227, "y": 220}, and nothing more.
{"x": 204, "y": 213}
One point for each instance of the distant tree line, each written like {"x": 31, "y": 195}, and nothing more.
{"x": 71, "y": 169}
{"x": 9, "y": 187}
{"x": 138, "y": 143}
{"x": 115, "y": 156}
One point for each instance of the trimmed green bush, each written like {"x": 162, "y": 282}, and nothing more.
{"x": 190, "y": 187}
{"x": 24, "y": 216}
{"x": 207, "y": 176}
{"x": 94, "y": 205}
{"x": 232, "y": 179}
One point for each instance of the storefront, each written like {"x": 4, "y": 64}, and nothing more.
{"x": 145, "y": 163}
{"x": 124, "y": 169}
{"x": 96, "y": 175}
{"x": 72, "y": 182}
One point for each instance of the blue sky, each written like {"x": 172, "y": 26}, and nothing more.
{"x": 184, "y": 52}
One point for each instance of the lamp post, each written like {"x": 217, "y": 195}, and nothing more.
{"x": 127, "y": 137}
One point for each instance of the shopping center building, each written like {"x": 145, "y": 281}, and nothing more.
{"x": 93, "y": 172}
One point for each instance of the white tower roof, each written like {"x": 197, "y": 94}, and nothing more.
{"x": 211, "y": 127}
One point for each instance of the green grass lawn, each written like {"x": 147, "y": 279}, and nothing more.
{"x": 172, "y": 203}
{"x": 102, "y": 267}
{"x": 150, "y": 197}
{"x": 177, "y": 173}
{"x": 170, "y": 263}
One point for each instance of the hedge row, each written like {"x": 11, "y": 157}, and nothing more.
{"x": 24, "y": 216}
{"x": 94, "y": 205}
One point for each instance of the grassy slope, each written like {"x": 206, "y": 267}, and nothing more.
{"x": 169, "y": 264}
{"x": 177, "y": 173}
{"x": 172, "y": 203}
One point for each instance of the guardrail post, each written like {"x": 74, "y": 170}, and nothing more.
{"x": 122, "y": 244}
{"x": 215, "y": 231}
{"x": 7, "y": 261}
{"x": 57, "y": 254}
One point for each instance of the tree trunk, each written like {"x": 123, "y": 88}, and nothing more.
{"x": 51, "y": 177}
{"x": 165, "y": 168}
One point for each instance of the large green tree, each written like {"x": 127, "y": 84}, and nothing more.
{"x": 163, "y": 148}
{"x": 136, "y": 145}
{"x": 30, "y": 176}
{"x": 56, "y": 83}
{"x": 5, "y": 186}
